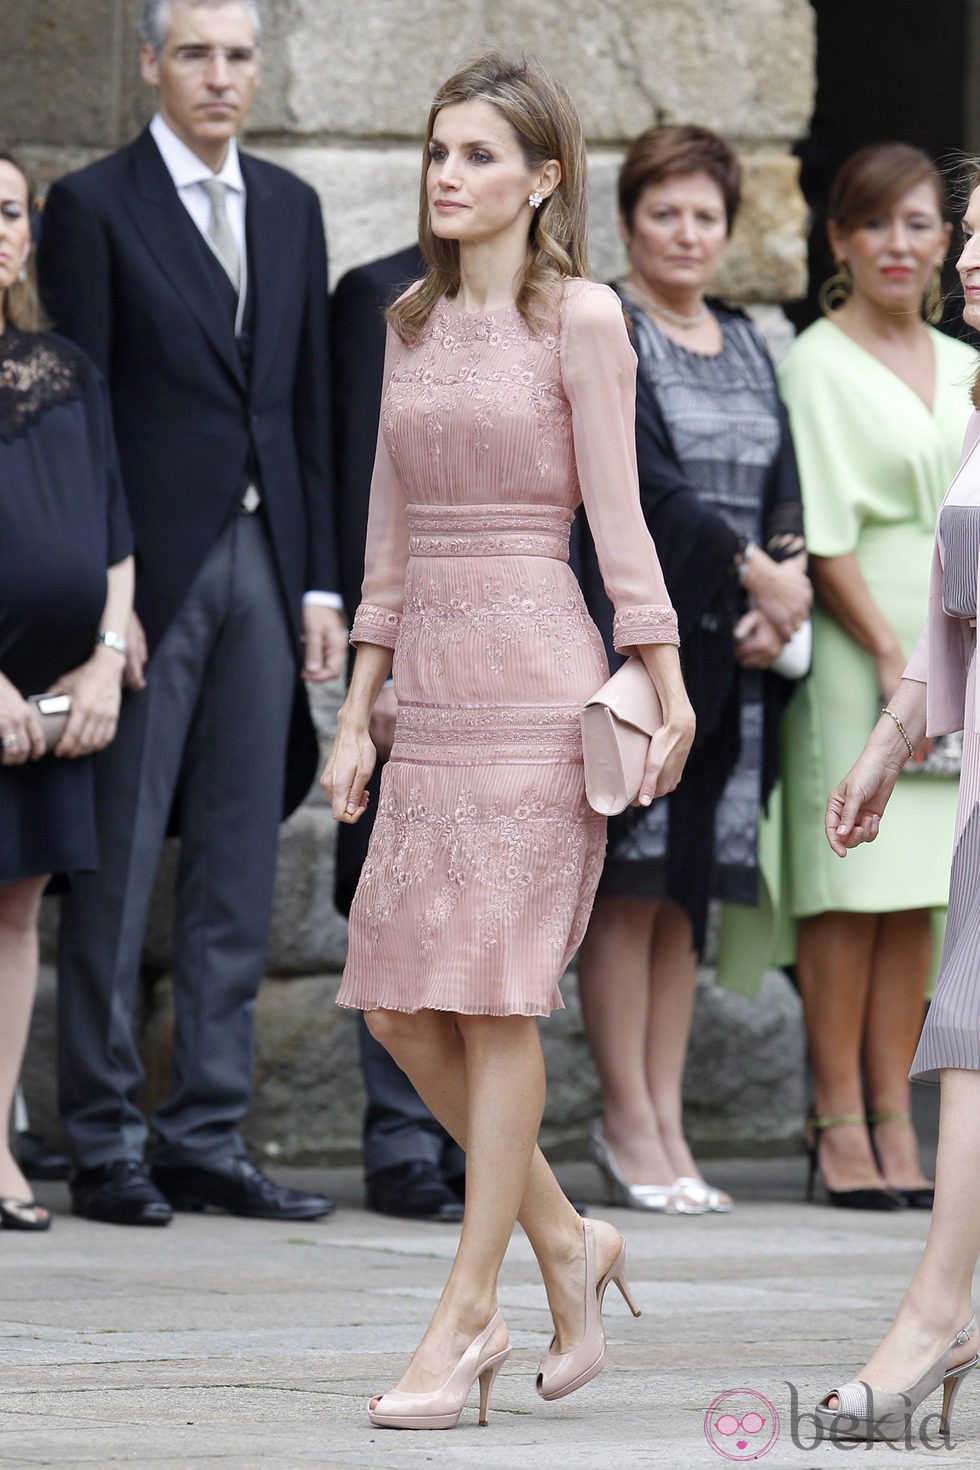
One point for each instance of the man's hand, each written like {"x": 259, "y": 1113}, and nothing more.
{"x": 133, "y": 676}
{"x": 324, "y": 642}
{"x": 382, "y": 726}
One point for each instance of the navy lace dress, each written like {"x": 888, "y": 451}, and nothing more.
{"x": 63, "y": 522}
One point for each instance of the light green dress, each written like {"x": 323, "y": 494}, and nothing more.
{"x": 874, "y": 465}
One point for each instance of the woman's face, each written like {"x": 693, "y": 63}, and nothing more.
{"x": 968, "y": 265}
{"x": 477, "y": 181}
{"x": 892, "y": 257}
{"x": 678, "y": 233}
{"x": 15, "y": 226}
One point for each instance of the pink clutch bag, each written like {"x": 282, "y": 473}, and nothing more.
{"x": 618, "y": 723}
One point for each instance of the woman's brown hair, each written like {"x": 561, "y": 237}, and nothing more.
{"x": 871, "y": 182}
{"x": 21, "y": 304}
{"x": 547, "y": 125}
{"x": 682, "y": 148}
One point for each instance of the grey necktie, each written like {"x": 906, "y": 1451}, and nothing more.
{"x": 220, "y": 232}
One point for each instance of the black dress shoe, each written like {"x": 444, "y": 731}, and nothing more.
{"x": 239, "y": 1187}
{"x": 118, "y": 1193}
{"x": 413, "y": 1191}
{"x": 37, "y": 1159}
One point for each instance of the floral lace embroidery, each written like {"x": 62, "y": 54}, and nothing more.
{"x": 36, "y": 373}
{"x": 502, "y": 860}
{"x": 508, "y": 618}
{"x": 636, "y": 625}
{"x": 373, "y": 624}
{"x": 520, "y": 530}
{"x": 496, "y": 735}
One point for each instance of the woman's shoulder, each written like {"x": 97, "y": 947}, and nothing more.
{"x": 590, "y": 309}
{"x": 47, "y": 357}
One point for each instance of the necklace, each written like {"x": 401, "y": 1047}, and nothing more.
{"x": 669, "y": 316}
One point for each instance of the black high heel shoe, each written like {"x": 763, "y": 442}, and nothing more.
{"x": 846, "y": 1199}
{"x": 922, "y": 1197}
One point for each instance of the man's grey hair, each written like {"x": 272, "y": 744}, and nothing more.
{"x": 156, "y": 19}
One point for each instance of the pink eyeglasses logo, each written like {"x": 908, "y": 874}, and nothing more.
{"x": 741, "y": 1425}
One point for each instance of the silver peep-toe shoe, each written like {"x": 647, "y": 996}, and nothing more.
{"x": 866, "y": 1413}
{"x": 667, "y": 1199}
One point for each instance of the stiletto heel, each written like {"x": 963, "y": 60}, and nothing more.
{"x": 951, "y": 1387}
{"x": 441, "y": 1407}
{"x": 562, "y": 1373}
{"x": 487, "y": 1378}
{"x": 866, "y": 1413}
{"x": 848, "y": 1199}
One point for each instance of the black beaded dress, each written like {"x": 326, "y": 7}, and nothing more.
{"x": 63, "y": 521}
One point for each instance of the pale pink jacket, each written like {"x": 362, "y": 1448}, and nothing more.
{"x": 941, "y": 658}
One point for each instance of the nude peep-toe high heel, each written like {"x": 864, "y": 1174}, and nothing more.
{"x": 441, "y": 1408}
{"x": 562, "y": 1373}
{"x": 865, "y": 1413}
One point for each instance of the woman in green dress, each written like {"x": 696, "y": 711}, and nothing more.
{"x": 878, "y": 403}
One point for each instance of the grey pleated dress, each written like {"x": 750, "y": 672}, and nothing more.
{"x": 951, "y": 1034}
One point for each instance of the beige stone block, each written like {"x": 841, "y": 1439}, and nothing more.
{"x": 68, "y": 71}
{"x": 370, "y": 202}
{"x": 766, "y": 259}
{"x": 743, "y": 66}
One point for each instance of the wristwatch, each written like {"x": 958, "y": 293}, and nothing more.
{"x": 746, "y": 552}
{"x": 115, "y": 641}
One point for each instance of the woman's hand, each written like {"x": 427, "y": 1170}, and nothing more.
{"x": 20, "y": 732}
{"x": 781, "y": 590}
{"x": 348, "y": 770}
{"x": 669, "y": 750}
{"x": 856, "y": 805}
{"x": 757, "y": 641}
{"x": 96, "y": 691}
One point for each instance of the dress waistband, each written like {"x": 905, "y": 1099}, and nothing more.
{"x": 489, "y": 530}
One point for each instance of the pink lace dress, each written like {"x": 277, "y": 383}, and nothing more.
{"x": 485, "y": 855}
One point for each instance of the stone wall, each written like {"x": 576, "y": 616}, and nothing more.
{"x": 344, "y": 97}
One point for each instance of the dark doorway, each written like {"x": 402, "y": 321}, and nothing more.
{"x": 895, "y": 70}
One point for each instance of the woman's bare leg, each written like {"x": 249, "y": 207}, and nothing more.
{"x": 938, "y": 1301}
{"x": 18, "y": 979}
{"x": 435, "y": 1050}
{"x": 896, "y": 1001}
{"x": 834, "y": 965}
{"x": 673, "y": 980}
{"x": 614, "y": 984}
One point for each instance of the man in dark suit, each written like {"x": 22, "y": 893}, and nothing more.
{"x": 195, "y": 276}
{"x": 412, "y": 1167}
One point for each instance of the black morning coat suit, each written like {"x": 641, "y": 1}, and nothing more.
{"x": 198, "y": 415}
{"x": 398, "y": 1127}
{"x": 126, "y": 275}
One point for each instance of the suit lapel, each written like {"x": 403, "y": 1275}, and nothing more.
{"x": 170, "y": 234}
{"x": 270, "y": 278}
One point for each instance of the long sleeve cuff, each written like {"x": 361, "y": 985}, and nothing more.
{"x": 373, "y": 624}
{"x": 634, "y": 626}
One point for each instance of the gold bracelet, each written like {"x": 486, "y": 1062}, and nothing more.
{"x": 901, "y": 728}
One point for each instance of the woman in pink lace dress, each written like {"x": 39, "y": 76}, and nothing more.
{"x": 508, "y": 399}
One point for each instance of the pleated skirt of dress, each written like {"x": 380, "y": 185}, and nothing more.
{"x": 485, "y": 856}
{"x": 951, "y": 1034}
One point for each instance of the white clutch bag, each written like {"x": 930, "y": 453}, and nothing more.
{"x": 618, "y": 723}
{"x": 794, "y": 661}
